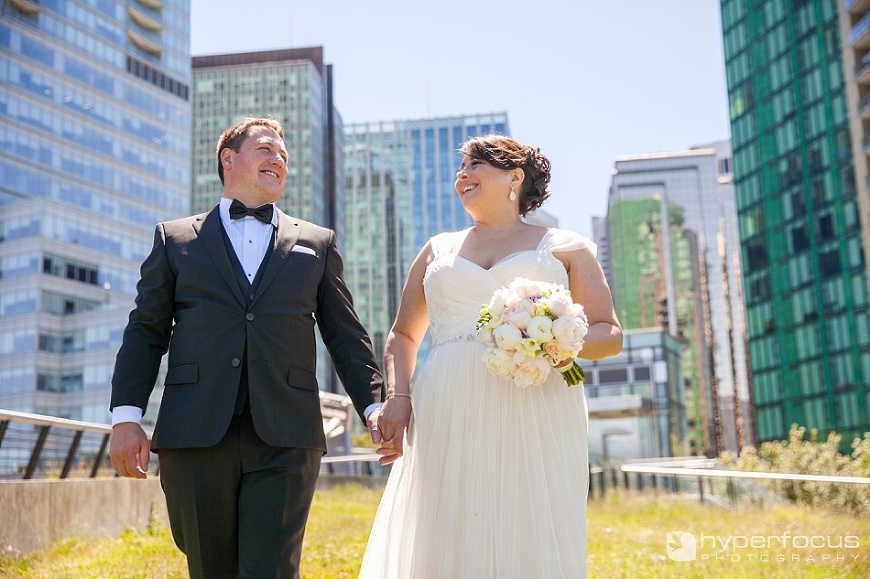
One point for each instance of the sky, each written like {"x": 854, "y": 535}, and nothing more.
{"x": 587, "y": 81}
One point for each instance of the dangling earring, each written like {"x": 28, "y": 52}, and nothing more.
{"x": 512, "y": 196}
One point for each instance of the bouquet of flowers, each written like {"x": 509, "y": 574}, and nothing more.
{"x": 529, "y": 327}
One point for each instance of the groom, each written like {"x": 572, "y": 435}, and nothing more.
{"x": 234, "y": 294}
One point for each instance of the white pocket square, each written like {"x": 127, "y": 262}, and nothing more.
{"x": 303, "y": 249}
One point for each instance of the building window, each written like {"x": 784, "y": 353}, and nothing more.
{"x": 800, "y": 238}
{"x": 613, "y": 376}
{"x": 70, "y": 269}
{"x": 826, "y": 227}
{"x": 829, "y": 262}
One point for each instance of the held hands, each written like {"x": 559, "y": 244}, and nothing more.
{"x": 388, "y": 426}
{"x": 129, "y": 450}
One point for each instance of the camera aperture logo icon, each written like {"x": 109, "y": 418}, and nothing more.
{"x": 682, "y": 546}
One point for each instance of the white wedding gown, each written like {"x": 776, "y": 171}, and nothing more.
{"x": 494, "y": 478}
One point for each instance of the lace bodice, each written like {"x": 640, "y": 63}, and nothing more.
{"x": 455, "y": 288}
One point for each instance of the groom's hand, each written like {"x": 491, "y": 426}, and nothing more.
{"x": 129, "y": 450}
{"x": 392, "y": 422}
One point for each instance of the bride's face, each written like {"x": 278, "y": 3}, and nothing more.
{"x": 477, "y": 181}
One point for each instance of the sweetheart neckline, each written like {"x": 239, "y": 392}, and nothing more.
{"x": 499, "y": 262}
{"x": 547, "y": 233}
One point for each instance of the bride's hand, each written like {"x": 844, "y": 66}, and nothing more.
{"x": 392, "y": 422}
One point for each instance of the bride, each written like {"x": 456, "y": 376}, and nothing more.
{"x": 489, "y": 479}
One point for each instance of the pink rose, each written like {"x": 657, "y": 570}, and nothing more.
{"x": 561, "y": 304}
{"x": 526, "y": 288}
{"x": 556, "y": 353}
{"x": 518, "y": 313}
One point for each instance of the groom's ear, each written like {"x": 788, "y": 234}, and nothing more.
{"x": 227, "y": 158}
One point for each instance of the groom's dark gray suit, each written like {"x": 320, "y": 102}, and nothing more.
{"x": 223, "y": 336}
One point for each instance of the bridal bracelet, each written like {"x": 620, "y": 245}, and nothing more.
{"x": 390, "y": 396}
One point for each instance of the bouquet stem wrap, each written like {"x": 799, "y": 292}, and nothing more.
{"x": 573, "y": 374}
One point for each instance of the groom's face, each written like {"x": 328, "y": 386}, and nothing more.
{"x": 257, "y": 173}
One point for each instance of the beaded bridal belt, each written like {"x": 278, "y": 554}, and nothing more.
{"x": 466, "y": 337}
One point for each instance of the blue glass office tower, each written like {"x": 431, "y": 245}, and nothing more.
{"x": 95, "y": 141}
{"x": 399, "y": 191}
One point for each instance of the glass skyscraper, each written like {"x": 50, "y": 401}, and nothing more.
{"x": 674, "y": 264}
{"x": 794, "y": 136}
{"x": 400, "y": 179}
{"x": 293, "y": 86}
{"x": 95, "y": 136}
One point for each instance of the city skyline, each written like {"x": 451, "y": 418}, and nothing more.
{"x": 654, "y": 83}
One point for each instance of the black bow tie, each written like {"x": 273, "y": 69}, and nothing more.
{"x": 262, "y": 213}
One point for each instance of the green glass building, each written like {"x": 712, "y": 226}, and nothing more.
{"x": 798, "y": 199}
{"x": 674, "y": 264}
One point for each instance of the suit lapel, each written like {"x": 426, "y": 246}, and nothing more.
{"x": 211, "y": 236}
{"x": 285, "y": 238}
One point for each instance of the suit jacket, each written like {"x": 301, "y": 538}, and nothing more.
{"x": 188, "y": 296}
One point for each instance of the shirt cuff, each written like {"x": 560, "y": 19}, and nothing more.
{"x": 371, "y": 408}
{"x": 126, "y": 414}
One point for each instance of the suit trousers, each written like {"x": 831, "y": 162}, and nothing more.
{"x": 239, "y": 508}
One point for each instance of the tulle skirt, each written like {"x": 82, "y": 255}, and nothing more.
{"x": 493, "y": 482}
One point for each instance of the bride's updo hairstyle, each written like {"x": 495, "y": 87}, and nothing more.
{"x": 505, "y": 153}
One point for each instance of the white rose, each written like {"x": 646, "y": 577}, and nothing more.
{"x": 507, "y": 336}
{"x": 530, "y": 371}
{"x": 569, "y": 333}
{"x": 499, "y": 299}
{"x": 499, "y": 362}
{"x": 540, "y": 329}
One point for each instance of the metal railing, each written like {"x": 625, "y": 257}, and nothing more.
{"x": 699, "y": 476}
{"x": 39, "y": 446}
{"x": 34, "y": 445}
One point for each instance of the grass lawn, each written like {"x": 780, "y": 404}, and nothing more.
{"x": 627, "y": 537}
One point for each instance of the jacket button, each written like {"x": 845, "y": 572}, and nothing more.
{"x": 236, "y": 362}
{"x": 249, "y": 317}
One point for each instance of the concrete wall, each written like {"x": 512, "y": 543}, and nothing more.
{"x": 36, "y": 513}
